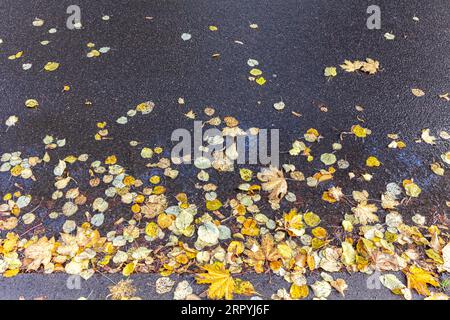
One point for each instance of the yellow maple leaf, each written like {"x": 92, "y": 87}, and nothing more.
{"x": 370, "y": 66}
{"x": 222, "y": 284}
{"x": 350, "y": 66}
{"x": 418, "y": 278}
{"x": 275, "y": 182}
{"x": 39, "y": 253}
{"x": 265, "y": 253}
{"x": 365, "y": 212}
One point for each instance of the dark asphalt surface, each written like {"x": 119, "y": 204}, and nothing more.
{"x": 148, "y": 61}
{"x": 62, "y": 287}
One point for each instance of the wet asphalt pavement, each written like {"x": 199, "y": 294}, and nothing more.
{"x": 148, "y": 60}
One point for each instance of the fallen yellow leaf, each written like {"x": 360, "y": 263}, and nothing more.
{"x": 221, "y": 282}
